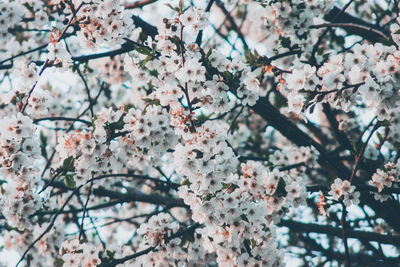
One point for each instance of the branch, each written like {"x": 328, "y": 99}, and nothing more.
{"x": 45, "y": 65}
{"x": 359, "y": 187}
{"x": 337, "y": 231}
{"x": 84, "y": 210}
{"x": 200, "y": 34}
{"x": 347, "y": 26}
{"x": 166, "y": 239}
{"x": 331, "y": 255}
{"x": 100, "y": 206}
{"x": 289, "y": 53}
{"x": 62, "y": 119}
{"x": 139, "y": 4}
{"x": 233, "y": 25}
{"x": 343, "y": 223}
{"x": 343, "y": 17}
{"x": 361, "y": 153}
{"x": 51, "y": 224}
{"x": 130, "y": 196}
{"x": 87, "y": 90}
{"x": 335, "y": 17}
{"x": 288, "y": 129}
{"x": 140, "y": 197}
{"x": 340, "y": 135}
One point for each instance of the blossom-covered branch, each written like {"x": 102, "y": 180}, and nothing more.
{"x": 191, "y": 133}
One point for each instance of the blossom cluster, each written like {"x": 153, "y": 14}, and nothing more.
{"x": 394, "y": 29}
{"x": 46, "y": 250}
{"x": 111, "y": 71}
{"x": 385, "y": 178}
{"x": 161, "y": 132}
{"x": 10, "y": 15}
{"x": 157, "y": 228}
{"x": 58, "y": 53}
{"x": 75, "y": 253}
{"x": 238, "y": 201}
{"x": 286, "y": 25}
{"x": 294, "y": 155}
{"x": 104, "y": 22}
{"x": 370, "y": 71}
{"x": 150, "y": 128}
{"x": 19, "y": 151}
{"x": 342, "y": 189}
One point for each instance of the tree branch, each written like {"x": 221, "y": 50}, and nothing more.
{"x": 337, "y": 231}
{"x": 179, "y": 233}
{"x": 343, "y": 17}
{"x": 139, "y": 4}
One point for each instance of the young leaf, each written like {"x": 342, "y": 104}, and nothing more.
{"x": 69, "y": 181}
{"x": 68, "y": 164}
{"x": 280, "y": 188}
{"x": 43, "y": 139}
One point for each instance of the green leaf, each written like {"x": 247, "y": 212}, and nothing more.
{"x": 207, "y": 197}
{"x": 226, "y": 186}
{"x": 380, "y": 137}
{"x": 59, "y": 263}
{"x": 244, "y": 218}
{"x": 69, "y": 181}
{"x": 150, "y": 102}
{"x": 280, "y": 188}
{"x": 144, "y": 62}
{"x": 384, "y": 123}
{"x": 116, "y": 125}
{"x": 173, "y": 8}
{"x": 285, "y": 42}
{"x": 110, "y": 254}
{"x": 43, "y": 139}
{"x": 144, "y": 51}
{"x": 185, "y": 182}
{"x": 253, "y": 243}
{"x": 203, "y": 117}
{"x": 128, "y": 107}
{"x": 154, "y": 73}
{"x": 209, "y": 53}
{"x": 68, "y": 164}
{"x": 251, "y": 58}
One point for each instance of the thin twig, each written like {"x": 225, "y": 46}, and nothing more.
{"x": 344, "y": 235}
{"x": 180, "y": 233}
{"x": 50, "y": 225}
{"x": 47, "y": 60}
{"x": 87, "y": 89}
{"x": 349, "y": 25}
{"x": 321, "y": 37}
{"x": 361, "y": 153}
{"x": 139, "y": 4}
{"x": 200, "y": 34}
{"x": 234, "y": 120}
{"x": 233, "y": 25}
{"x": 84, "y": 209}
{"x": 48, "y": 163}
{"x": 62, "y": 119}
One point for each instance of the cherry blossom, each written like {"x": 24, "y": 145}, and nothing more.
{"x": 199, "y": 133}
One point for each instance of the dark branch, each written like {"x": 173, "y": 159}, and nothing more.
{"x": 337, "y": 231}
